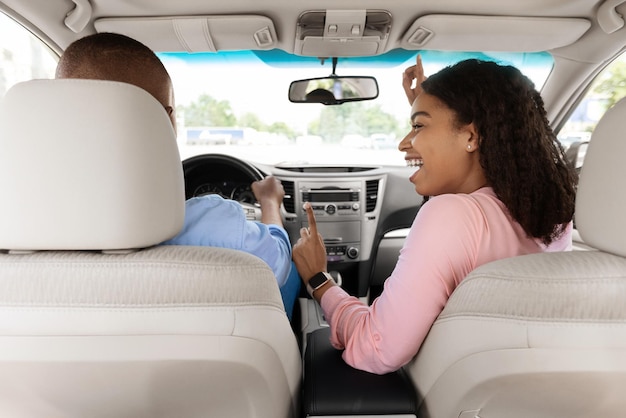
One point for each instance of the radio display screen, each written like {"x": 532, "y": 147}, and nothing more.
{"x": 330, "y": 197}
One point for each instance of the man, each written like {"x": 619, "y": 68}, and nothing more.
{"x": 209, "y": 220}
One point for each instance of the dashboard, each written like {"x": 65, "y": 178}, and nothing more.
{"x": 359, "y": 209}
{"x": 234, "y": 190}
{"x": 220, "y": 174}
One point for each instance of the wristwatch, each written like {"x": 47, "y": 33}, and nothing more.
{"x": 317, "y": 281}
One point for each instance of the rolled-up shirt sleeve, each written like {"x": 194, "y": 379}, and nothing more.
{"x": 271, "y": 244}
{"x": 217, "y": 222}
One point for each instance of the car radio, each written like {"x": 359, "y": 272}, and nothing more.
{"x": 329, "y": 203}
{"x": 333, "y": 200}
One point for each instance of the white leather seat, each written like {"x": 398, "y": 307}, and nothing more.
{"x": 97, "y": 321}
{"x": 542, "y": 335}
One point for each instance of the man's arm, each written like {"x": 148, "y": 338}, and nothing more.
{"x": 269, "y": 193}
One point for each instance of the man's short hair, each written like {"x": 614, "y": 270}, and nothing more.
{"x": 109, "y": 56}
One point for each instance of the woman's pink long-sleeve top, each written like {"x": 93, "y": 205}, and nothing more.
{"x": 451, "y": 235}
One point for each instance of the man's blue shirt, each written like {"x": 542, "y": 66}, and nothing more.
{"x": 213, "y": 221}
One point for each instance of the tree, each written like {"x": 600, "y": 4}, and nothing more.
{"x": 251, "y": 120}
{"x": 355, "y": 118}
{"x": 378, "y": 121}
{"x": 611, "y": 85}
{"x": 331, "y": 123}
{"x": 281, "y": 128}
{"x": 207, "y": 111}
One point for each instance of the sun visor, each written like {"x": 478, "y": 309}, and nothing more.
{"x": 195, "y": 33}
{"x": 493, "y": 33}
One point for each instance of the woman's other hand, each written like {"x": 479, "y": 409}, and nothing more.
{"x": 413, "y": 73}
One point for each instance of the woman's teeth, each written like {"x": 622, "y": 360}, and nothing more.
{"x": 414, "y": 163}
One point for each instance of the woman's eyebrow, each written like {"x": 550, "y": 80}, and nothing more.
{"x": 420, "y": 113}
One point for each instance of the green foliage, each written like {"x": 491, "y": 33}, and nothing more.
{"x": 207, "y": 111}
{"x": 378, "y": 121}
{"x": 281, "y": 128}
{"x": 251, "y": 120}
{"x": 611, "y": 85}
{"x": 334, "y": 122}
{"x": 355, "y": 118}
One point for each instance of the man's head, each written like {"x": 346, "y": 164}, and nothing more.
{"x": 110, "y": 56}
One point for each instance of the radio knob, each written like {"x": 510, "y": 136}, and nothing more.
{"x": 355, "y": 206}
{"x": 330, "y": 209}
{"x": 352, "y": 252}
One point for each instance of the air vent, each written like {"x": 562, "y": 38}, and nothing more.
{"x": 371, "y": 195}
{"x": 288, "y": 200}
{"x": 325, "y": 169}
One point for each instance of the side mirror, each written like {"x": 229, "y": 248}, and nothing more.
{"x": 333, "y": 90}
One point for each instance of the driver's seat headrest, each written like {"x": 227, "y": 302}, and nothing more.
{"x": 87, "y": 165}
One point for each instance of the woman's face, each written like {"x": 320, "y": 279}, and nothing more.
{"x": 446, "y": 154}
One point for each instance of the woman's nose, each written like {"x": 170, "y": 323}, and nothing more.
{"x": 406, "y": 142}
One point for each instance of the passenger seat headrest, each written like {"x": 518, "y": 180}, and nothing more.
{"x": 601, "y": 197}
{"x": 87, "y": 165}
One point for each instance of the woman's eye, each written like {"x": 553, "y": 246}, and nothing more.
{"x": 416, "y": 126}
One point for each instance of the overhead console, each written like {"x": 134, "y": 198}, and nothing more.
{"x": 342, "y": 33}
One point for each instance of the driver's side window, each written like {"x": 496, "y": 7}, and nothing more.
{"x": 22, "y": 55}
{"x": 608, "y": 88}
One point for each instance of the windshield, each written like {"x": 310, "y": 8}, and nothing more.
{"x": 237, "y": 103}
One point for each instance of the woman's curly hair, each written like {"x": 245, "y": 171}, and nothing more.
{"x": 518, "y": 151}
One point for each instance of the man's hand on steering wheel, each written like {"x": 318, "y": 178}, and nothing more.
{"x": 269, "y": 193}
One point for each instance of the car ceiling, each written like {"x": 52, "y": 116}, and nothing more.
{"x": 582, "y": 35}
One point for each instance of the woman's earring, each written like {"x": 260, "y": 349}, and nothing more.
{"x": 469, "y": 147}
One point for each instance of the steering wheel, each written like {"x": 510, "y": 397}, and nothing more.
{"x": 224, "y": 163}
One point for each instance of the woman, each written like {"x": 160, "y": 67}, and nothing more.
{"x": 499, "y": 187}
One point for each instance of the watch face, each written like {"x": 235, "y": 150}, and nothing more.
{"x": 318, "y": 280}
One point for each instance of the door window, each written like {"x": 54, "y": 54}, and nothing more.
{"x": 608, "y": 88}
{"x": 22, "y": 55}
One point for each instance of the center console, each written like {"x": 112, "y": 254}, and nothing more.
{"x": 339, "y": 210}
{"x": 347, "y": 210}
{"x": 334, "y": 389}
{"x": 346, "y": 213}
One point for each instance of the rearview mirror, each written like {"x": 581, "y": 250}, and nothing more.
{"x": 333, "y": 90}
